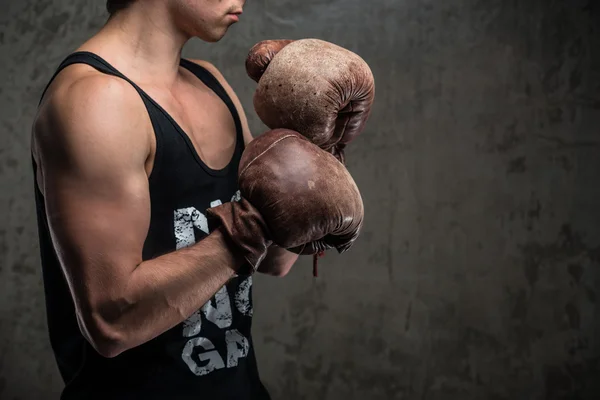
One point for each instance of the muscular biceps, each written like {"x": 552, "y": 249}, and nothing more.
{"x": 91, "y": 145}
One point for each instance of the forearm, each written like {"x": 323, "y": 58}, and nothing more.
{"x": 163, "y": 292}
{"x": 278, "y": 261}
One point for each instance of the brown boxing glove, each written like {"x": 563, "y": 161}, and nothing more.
{"x": 313, "y": 87}
{"x": 295, "y": 195}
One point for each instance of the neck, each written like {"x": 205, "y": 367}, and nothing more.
{"x": 142, "y": 43}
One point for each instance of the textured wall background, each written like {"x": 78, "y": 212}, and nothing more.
{"x": 477, "y": 275}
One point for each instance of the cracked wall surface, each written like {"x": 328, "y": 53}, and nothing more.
{"x": 477, "y": 273}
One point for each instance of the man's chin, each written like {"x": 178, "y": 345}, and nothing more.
{"x": 212, "y": 37}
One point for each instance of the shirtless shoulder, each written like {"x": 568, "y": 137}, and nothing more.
{"x": 84, "y": 106}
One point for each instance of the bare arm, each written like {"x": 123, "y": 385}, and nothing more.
{"x": 92, "y": 143}
{"x": 278, "y": 261}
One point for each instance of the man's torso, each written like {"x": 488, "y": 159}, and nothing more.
{"x": 211, "y": 351}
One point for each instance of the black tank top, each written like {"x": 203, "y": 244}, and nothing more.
{"x": 208, "y": 356}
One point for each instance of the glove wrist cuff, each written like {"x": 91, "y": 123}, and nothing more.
{"x": 244, "y": 226}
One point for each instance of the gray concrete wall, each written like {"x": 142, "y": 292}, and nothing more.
{"x": 476, "y": 276}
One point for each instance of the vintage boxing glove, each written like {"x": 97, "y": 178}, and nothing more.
{"x": 295, "y": 195}
{"x": 314, "y": 87}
